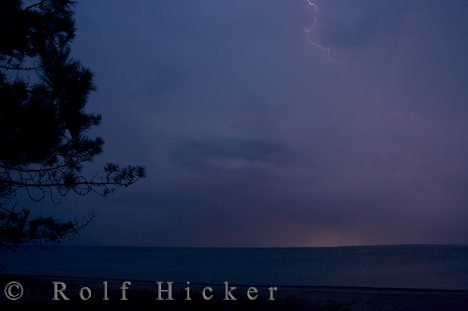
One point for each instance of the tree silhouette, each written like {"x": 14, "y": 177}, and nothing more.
{"x": 43, "y": 125}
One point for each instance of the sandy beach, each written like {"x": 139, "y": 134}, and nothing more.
{"x": 38, "y": 290}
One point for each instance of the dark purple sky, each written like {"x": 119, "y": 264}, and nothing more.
{"x": 252, "y": 136}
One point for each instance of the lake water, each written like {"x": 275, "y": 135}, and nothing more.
{"x": 436, "y": 267}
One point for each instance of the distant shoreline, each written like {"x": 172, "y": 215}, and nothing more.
{"x": 264, "y": 247}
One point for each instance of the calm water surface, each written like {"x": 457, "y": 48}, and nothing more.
{"x": 439, "y": 267}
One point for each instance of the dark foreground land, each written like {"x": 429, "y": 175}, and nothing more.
{"x": 38, "y": 291}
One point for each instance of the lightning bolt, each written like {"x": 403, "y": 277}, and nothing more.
{"x": 310, "y": 29}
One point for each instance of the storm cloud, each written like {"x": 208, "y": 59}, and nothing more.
{"x": 253, "y": 137}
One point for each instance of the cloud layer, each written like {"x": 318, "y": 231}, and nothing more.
{"x": 253, "y": 137}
